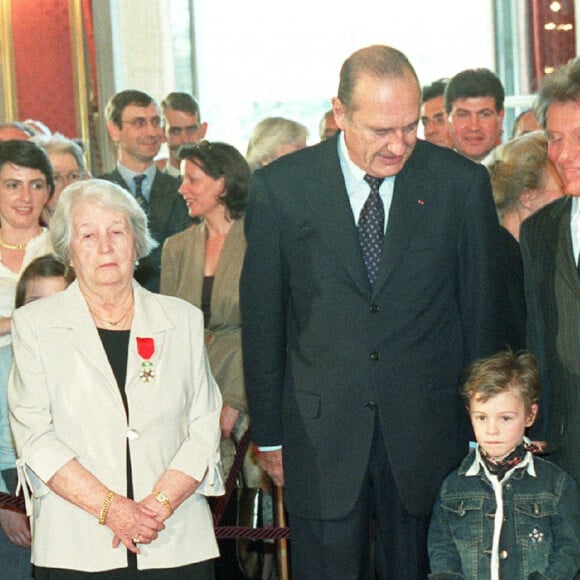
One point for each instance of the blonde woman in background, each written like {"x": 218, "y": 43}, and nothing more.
{"x": 272, "y": 138}
{"x": 523, "y": 179}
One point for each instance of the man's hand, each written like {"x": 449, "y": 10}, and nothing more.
{"x": 271, "y": 463}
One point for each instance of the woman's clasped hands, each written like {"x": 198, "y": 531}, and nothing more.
{"x": 133, "y": 523}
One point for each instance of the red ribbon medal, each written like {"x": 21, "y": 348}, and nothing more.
{"x": 146, "y": 348}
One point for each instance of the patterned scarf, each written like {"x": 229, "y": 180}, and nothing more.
{"x": 499, "y": 467}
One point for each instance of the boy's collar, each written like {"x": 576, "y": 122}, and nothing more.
{"x": 477, "y": 464}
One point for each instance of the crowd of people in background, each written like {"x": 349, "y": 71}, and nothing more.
{"x": 341, "y": 291}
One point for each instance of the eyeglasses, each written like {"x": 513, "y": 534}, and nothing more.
{"x": 67, "y": 178}
{"x": 190, "y": 131}
{"x": 142, "y": 122}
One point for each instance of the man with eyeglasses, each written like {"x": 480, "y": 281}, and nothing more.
{"x": 183, "y": 126}
{"x": 433, "y": 115}
{"x": 135, "y": 126}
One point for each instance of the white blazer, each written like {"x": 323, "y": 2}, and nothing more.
{"x": 65, "y": 403}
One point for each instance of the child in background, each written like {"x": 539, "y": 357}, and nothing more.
{"x": 42, "y": 277}
{"x": 505, "y": 514}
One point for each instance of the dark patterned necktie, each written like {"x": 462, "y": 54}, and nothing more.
{"x": 371, "y": 228}
{"x": 141, "y": 199}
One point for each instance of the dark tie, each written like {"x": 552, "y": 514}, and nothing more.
{"x": 141, "y": 200}
{"x": 371, "y": 228}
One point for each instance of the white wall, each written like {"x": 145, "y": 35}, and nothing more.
{"x": 259, "y": 58}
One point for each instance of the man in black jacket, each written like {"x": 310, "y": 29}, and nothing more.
{"x": 371, "y": 279}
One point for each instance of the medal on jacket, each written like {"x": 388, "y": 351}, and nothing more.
{"x": 146, "y": 348}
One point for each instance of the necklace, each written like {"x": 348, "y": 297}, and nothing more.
{"x": 111, "y": 322}
{"x": 13, "y": 246}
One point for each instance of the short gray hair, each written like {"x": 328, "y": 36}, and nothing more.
{"x": 58, "y": 144}
{"x": 104, "y": 193}
{"x": 561, "y": 86}
{"x": 269, "y": 135}
{"x": 378, "y": 61}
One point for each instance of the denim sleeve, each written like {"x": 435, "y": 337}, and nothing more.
{"x": 565, "y": 555}
{"x": 444, "y": 557}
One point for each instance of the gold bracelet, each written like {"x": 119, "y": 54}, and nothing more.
{"x": 105, "y": 507}
{"x": 164, "y": 500}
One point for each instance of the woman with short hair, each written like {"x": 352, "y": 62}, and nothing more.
{"x": 274, "y": 137}
{"x": 114, "y": 411}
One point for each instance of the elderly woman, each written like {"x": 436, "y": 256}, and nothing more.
{"x": 203, "y": 264}
{"x": 272, "y": 138}
{"x": 68, "y": 163}
{"x": 114, "y": 410}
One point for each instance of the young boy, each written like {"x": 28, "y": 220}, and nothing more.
{"x": 505, "y": 513}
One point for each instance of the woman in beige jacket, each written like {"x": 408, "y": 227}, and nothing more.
{"x": 203, "y": 264}
{"x": 113, "y": 408}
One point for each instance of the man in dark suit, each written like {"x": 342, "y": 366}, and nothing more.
{"x": 353, "y": 363}
{"x": 135, "y": 126}
{"x": 550, "y": 244}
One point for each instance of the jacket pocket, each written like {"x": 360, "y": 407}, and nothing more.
{"x": 464, "y": 515}
{"x": 533, "y": 517}
{"x": 304, "y": 404}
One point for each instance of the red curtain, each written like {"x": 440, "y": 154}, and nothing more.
{"x": 43, "y": 62}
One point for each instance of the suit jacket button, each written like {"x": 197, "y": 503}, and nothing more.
{"x": 133, "y": 434}
{"x": 503, "y": 555}
{"x": 375, "y": 356}
{"x": 374, "y": 308}
{"x": 371, "y": 406}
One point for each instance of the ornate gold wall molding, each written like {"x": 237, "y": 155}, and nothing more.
{"x": 9, "y": 96}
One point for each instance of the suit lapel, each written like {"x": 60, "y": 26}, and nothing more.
{"x": 160, "y": 200}
{"x": 332, "y": 213}
{"x": 192, "y": 261}
{"x": 409, "y": 207}
{"x": 115, "y": 177}
{"x": 150, "y": 321}
{"x": 84, "y": 337}
{"x": 227, "y": 276}
{"x": 559, "y": 244}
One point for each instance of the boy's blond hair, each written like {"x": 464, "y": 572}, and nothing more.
{"x": 504, "y": 371}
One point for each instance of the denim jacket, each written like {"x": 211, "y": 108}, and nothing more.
{"x": 540, "y": 528}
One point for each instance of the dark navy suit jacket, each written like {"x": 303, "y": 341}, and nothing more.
{"x": 323, "y": 352}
